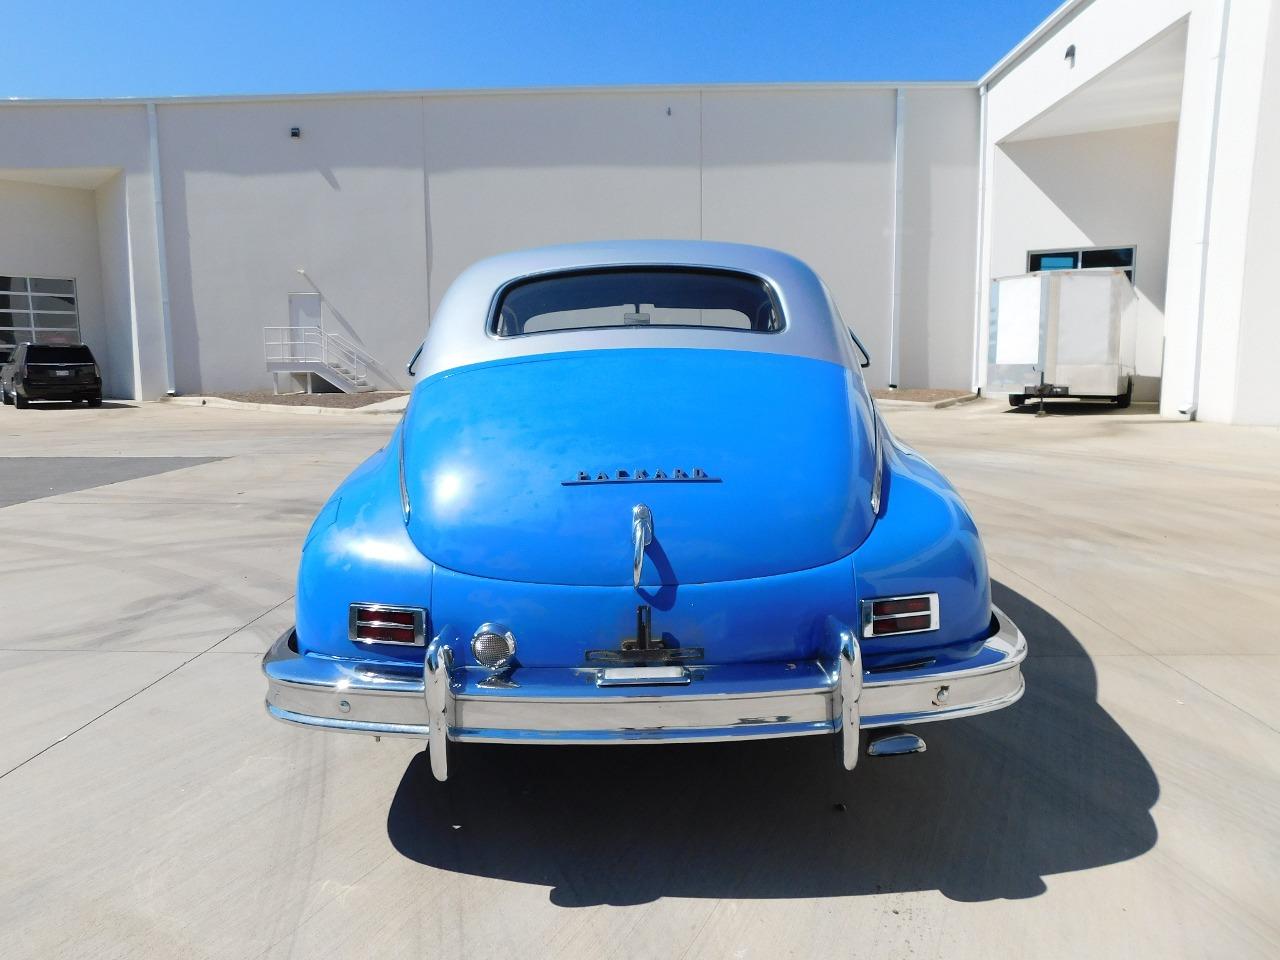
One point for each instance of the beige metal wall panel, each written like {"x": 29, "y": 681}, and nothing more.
{"x": 382, "y": 201}
{"x": 811, "y": 174}
{"x": 246, "y": 206}
{"x": 939, "y": 237}
{"x": 510, "y": 172}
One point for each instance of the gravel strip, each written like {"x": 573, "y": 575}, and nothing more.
{"x": 340, "y": 400}
{"x": 918, "y": 394}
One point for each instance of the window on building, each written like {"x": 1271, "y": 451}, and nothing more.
{"x": 1053, "y": 261}
{"x": 37, "y": 310}
{"x": 1082, "y": 259}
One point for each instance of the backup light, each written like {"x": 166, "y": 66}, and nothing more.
{"x": 493, "y": 645}
{"x": 380, "y": 623}
{"x": 887, "y": 616}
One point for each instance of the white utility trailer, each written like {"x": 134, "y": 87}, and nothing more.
{"x": 1063, "y": 333}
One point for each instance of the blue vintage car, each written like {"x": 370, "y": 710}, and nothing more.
{"x": 642, "y": 495}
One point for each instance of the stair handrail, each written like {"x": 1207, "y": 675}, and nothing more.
{"x": 288, "y": 344}
{"x": 311, "y": 344}
{"x": 354, "y": 358}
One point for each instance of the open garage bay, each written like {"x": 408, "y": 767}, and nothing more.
{"x": 1126, "y": 806}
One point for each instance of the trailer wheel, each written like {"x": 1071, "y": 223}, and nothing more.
{"x": 1125, "y": 398}
{"x": 1017, "y": 399}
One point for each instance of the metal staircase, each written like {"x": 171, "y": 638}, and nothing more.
{"x": 312, "y": 350}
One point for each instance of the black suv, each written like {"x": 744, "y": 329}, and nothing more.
{"x": 46, "y": 371}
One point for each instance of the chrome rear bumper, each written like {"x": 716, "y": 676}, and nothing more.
{"x": 747, "y": 701}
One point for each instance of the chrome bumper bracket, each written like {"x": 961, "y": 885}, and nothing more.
{"x": 846, "y": 710}
{"x": 440, "y": 710}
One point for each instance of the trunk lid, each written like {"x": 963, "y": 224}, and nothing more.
{"x": 782, "y": 439}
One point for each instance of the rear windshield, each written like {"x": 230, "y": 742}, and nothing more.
{"x": 642, "y": 297}
{"x": 43, "y": 353}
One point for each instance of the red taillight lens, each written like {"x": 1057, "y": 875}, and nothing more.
{"x": 889, "y": 608}
{"x": 900, "y": 624}
{"x": 378, "y": 624}
{"x": 402, "y": 617}
{"x": 384, "y": 633}
{"x": 891, "y": 615}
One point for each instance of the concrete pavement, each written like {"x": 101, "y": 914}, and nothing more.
{"x": 1127, "y": 806}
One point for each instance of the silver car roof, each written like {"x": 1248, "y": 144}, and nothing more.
{"x": 459, "y": 335}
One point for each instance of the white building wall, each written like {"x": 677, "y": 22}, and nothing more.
{"x": 1218, "y": 333}
{"x": 246, "y": 207}
{"x": 120, "y": 372}
{"x": 1103, "y": 33}
{"x": 1257, "y": 373}
{"x": 51, "y": 231}
{"x": 383, "y": 201}
{"x": 939, "y": 237}
{"x": 1232, "y": 211}
{"x": 515, "y": 171}
{"x": 1105, "y": 189}
{"x": 811, "y": 174}
{"x": 43, "y": 140}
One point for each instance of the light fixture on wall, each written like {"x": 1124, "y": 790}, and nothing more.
{"x": 295, "y": 133}
{"x": 1070, "y": 56}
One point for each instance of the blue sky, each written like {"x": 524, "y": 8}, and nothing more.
{"x": 113, "y": 48}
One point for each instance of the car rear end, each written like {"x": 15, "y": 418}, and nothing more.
{"x": 661, "y": 509}
{"x": 58, "y": 372}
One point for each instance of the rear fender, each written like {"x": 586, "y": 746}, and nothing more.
{"x": 924, "y": 542}
{"x": 359, "y": 551}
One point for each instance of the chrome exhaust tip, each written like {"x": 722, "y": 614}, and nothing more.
{"x": 895, "y": 744}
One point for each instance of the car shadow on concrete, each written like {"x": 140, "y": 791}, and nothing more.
{"x": 998, "y": 803}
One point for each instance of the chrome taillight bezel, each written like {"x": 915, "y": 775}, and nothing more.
{"x": 355, "y": 621}
{"x": 870, "y": 618}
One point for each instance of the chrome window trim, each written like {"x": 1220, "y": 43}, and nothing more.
{"x": 869, "y": 619}
{"x": 419, "y": 624}
{"x": 404, "y": 487}
{"x": 877, "y": 479}
{"x": 491, "y": 317}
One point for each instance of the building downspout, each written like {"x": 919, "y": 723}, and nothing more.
{"x": 157, "y": 202}
{"x": 895, "y": 289}
{"x": 1197, "y": 344}
{"x": 981, "y": 238}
